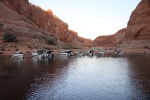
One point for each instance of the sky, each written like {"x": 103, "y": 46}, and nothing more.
{"x": 91, "y": 18}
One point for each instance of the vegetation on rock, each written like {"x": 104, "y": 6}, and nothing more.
{"x": 7, "y": 37}
{"x": 51, "y": 42}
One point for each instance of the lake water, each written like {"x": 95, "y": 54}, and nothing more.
{"x": 75, "y": 78}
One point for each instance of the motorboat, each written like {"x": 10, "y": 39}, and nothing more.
{"x": 118, "y": 52}
{"x": 79, "y": 53}
{"x": 65, "y": 53}
{"x": 34, "y": 53}
{"x": 37, "y": 52}
{"x": 42, "y": 53}
{"x": 48, "y": 54}
{"x": 101, "y": 53}
{"x": 90, "y": 53}
{"x": 17, "y": 54}
{"x": 70, "y": 52}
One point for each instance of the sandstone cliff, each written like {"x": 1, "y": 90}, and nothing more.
{"x": 33, "y": 25}
{"x": 138, "y": 29}
{"x": 110, "y": 40}
{"x": 139, "y": 23}
{"x": 137, "y": 33}
{"x": 17, "y": 22}
{"x": 20, "y": 6}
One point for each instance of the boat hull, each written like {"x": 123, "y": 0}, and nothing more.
{"x": 17, "y": 56}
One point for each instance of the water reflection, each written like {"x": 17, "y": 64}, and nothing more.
{"x": 140, "y": 76}
{"x": 9, "y": 67}
{"x": 54, "y": 75}
{"x": 75, "y": 78}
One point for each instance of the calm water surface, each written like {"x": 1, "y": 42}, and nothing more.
{"x": 76, "y": 78}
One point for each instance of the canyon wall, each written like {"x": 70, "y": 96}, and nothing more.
{"x": 20, "y": 6}
{"x": 138, "y": 29}
{"x": 110, "y": 40}
{"x": 32, "y": 24}
{"x": 137, "y": 33}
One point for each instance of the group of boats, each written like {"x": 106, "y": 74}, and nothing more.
{"x": 40, "y": 53}
{"x": 36, "y": 53}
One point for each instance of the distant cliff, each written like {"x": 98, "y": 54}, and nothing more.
{"x": 137, "y": 33}
{"x": 110, "y": 40}
{"x": 32, "y": 24}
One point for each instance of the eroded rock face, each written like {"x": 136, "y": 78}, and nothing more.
{"x": 137, "y": 33}
{"x": 138, "y": 29}
{"x": 20, "y": 6}
{"x": 85, "y": 42}
{"x": 139, "y": 24}
{"x": 110, "y": 40}
{"x": 30, "y": 23}
{"x": 20, "y": 25}
{"x": 54, "y": 26}
{"x": 48, "y": 22}
{"x": 102, "y": 41}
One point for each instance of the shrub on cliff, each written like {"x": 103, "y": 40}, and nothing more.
{"x": 50, "y": 42}
{"x": 70, "y": 47}
{"x": 7, "y": 37}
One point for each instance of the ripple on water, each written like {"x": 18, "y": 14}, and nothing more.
{"x": 85, "y": 78}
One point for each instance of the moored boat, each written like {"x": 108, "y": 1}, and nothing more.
{"x": 101, "y": 53}
{"x": 118, "y": 52}
{"x": 65, "y": 53}
{"x": 90, "y": 53}
{"x": 42, "y": 53}
{"x": 37, "y": 53}
{"x": 48, "y": 54}
{"x": 79, "y": 53}
{"x": 17, "y": 54}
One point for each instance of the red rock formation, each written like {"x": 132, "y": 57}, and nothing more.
{"x": 138, "y": 29}
{"x": 34, "y": 24}
{"x": 42, "y": 19}
{"x": 102, "y": 41}
{"x": 85, "y": 42}
{"x": 137, "y": 34}
{"x": 20, "y": 6}
{"x": 20, "y": 25}
{"x": 110, "y": 40}
{"x": 139, "y": 24}
{"x": 55, "y": 26}
{"x": 118, "y": 37}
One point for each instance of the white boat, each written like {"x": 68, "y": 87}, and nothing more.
{"x": 70, "y": 52}
{"x": 101, "y": 53}
{"x": 34, "y": 53}
{"x": 118, "y": 52}
{"x": 90, "y": 53}
{"x": 66, "y": 53}
{"x": 42, "y": 53}
{"x": 37, "y": 52}
{"x": 79, "y": 53}
{"x": 48, "y": 54}
{"x": 17, "y": 54}
{"x": 63, "y": 53}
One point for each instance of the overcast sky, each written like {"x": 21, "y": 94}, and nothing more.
{"x": 91, "y": 18}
